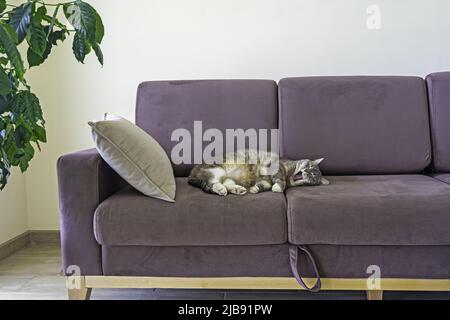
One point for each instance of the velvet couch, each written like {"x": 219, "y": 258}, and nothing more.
{"x": 386, "y": 141}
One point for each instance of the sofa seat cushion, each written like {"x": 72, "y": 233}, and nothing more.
{"x": 444, "y": 177}
{"x": 371, "y": 210}
{"x": 195, "y": 219}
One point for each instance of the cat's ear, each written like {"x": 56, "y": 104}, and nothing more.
{"x": 318, "y": 161}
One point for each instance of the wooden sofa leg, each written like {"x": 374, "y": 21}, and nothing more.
{"x": 374, "y": 294}
{"x": 80, "y": 292}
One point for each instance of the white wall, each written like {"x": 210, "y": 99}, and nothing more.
{"x": 13, "y": 211}
{"x": 178, "y": 39}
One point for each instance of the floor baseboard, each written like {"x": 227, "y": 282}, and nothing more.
{"x": 15, "y": 244}
{"x": 44, "y": 236}
{"x": 27, "y": 238}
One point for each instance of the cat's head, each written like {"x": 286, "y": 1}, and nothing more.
{"x": 306, "y": 166}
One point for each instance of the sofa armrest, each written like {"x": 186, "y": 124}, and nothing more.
{"x": 84, "y": 181}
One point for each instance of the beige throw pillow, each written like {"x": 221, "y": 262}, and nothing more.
{"x": 135, "y": 156}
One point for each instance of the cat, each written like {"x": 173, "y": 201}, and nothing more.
{"x": 238, "y": 175}
{"x": 298, "y": 173}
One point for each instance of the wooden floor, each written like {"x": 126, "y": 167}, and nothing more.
{"x": 33, "y": 273}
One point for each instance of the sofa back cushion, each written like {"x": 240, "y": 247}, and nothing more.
{"x": 439, "y": 96}
{"x": 164, "y": 106}
{"x": 360, "y": 125}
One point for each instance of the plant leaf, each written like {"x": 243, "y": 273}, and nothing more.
{"x": 41, "y": 12}
{"x": 23, "y": 164}
{"x": 5, "y": 84}
{"x": 9, "y": 146}
{"x": 26, "y": 105}
{"x": 4, "y": 61}
{"x": 33, "y": 58}
{"x": 98, "y": 52}
{"x": 2, "y": 5}
{"x": 20, "y": 20}
{"x": 80, "y": 46}
{"x": 83, "y": 18}
{"x": 38, "y": 37}
{"x": 57, "y": 35}
{"x": 73, "y": 14}
{"x": 9, "y": 45}
{"x": 40, "y": 133}
{"x": 5, "y": 170}
{"x": 12, "y": 33}
{"x": 21, "y": 136}
{"x": 27, "y": 153}
{"x": 3, "y": 106}
{"x": 5, "y": 144}
{"x": 29, "y": 126}
{"x": 99, "y": 28}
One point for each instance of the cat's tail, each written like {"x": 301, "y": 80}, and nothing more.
{"x": 199, "y": 183}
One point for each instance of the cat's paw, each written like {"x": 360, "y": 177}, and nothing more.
{"x": 277, "y": 188}
{"x": 239, "y": 190}
{"x": 254, "y": 189}
{"x": 219, "y": 189}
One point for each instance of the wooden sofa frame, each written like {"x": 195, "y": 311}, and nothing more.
{"x": 87, "y": 283}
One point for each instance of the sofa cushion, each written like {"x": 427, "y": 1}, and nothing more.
{"x": 135, "y": 156}
{"x": 196, "y": 219}
{"x": 444, "y": 177}
{"x": 360, "y": 125}
{"x": 164, "y": 106}
{"x": 371, "y": 210}
{"x": 439, "y": 96}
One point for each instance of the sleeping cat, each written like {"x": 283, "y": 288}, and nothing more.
{"x": 298, "y": 173}
{"x": 240, "y": 177}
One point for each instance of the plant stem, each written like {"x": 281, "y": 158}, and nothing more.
{"x": 54, "y": 4}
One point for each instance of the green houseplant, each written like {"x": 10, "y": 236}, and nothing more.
{"x": 34, "y": 27}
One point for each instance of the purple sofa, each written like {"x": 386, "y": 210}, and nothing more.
{"x": 387, "y": 149}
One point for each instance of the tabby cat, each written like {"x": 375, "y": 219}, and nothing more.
{"x": 237, "y": 175}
